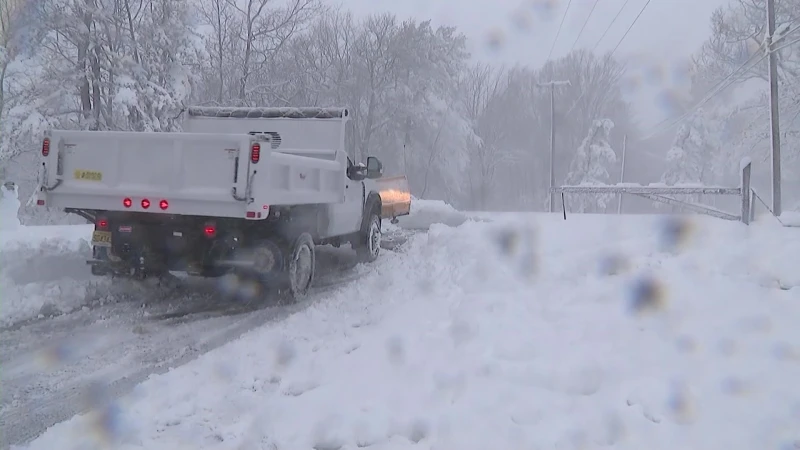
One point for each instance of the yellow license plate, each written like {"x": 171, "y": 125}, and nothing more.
{"x": 88, "y": 175}
{"x": 101, "y": 239}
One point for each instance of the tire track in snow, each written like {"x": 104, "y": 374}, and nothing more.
{"x": 49, "y": 366}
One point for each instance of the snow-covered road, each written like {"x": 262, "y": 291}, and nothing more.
{"x": 528, "y": 332}
{"x": 105, "y": 341}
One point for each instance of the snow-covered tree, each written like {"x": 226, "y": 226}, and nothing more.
{"x": 689, "y": 160}
{"x": 121, "y": 65}
{"x": 590, "y": 167}
{"x": 459, "y": 134}
{"x": 735, "y": 47}
{"x": 23, "y": 101}
{"x": 400, "y": 81}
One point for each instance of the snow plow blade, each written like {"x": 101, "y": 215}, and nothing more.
{"x": 395, "y": 196}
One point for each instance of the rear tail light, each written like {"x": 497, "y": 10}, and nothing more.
{"x": 163, "y": 204}
{"x": 102, "y": 223}
{"x": 210, "y": 229}
{"x": 255, "y": 152}
{"x": 46, "y": 147}
{"x": 40, "y": 202}
{"x": 127, "y": 203}
{"x": 145, "y": 203}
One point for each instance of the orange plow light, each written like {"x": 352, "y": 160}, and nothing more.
{"x": 395, "y": 196}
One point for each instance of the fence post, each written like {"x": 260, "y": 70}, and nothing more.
{"x": 745, "y": 167}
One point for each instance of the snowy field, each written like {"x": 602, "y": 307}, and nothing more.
{"x": 624, "y": 332}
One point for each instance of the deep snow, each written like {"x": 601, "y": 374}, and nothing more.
{"x": 531, "y": 332}
{"x": 425, "y": 213}
{"x": 43, "y": 271}
{"x": 88, "y": 332}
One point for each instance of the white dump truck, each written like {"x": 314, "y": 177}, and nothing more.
{"x": 249, "y": 191}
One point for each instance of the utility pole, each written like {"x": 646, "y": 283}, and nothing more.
{"x": 622, "y": 172}
{"x": 552, "y": 85}
{"x": 774, "y": 116}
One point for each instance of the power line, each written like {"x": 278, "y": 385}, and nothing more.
{"x": 615, "y": 47}
{"x": 722, "y": 85}
{"x": 580, "y": 33}
{"x": 718, "y": 87}
{"x": 630, "y": 27}
{"x": 559, "y": 30}
{"x": 789, "y": 44}
{"x": 610, "y": 25}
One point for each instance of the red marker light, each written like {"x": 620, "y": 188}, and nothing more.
{"x": 127, "y": 203}
{"x": 145, "y": 203}
{"x": 163, "y": 204}
{"x": 46, "y": 147}
{"x": 255, "y": 153}
{"x": 102, "y": 224}
{"x": 210, "y": 230}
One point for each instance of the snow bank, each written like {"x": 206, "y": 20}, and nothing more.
{"x": 43, "y": 271}
{"x": 425, "y": 213}
{"x": 599, "y": 331}
{"x": 790, "y": 218}
{"x": 9, "y": 206}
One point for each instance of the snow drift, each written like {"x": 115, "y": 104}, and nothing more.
{"x": 43, "y": 271}
{"x": 601, "y": 331}
{"x": 425, "y": 213}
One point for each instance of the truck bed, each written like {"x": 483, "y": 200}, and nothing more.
{"x": 205, "y": 174}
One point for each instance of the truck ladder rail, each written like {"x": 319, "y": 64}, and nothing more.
{"x": 247, "y": 190}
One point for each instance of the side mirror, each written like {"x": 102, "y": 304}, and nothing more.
{"x": 356, "y": 172}
{"x": 374, "y": 168}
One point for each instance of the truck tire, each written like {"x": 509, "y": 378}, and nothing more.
{"x": 370, "y": 237}
{"x": 300, "y": 267}
{"x": 101, "y": 254}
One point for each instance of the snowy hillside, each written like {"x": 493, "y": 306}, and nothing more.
{"x": 598, "y": 332}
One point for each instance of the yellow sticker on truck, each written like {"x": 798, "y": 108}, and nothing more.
{"x": 88, "y": 175}
{"x": 101, "y": 238}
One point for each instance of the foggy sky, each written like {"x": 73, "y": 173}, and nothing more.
{"x": 656, "y": 48}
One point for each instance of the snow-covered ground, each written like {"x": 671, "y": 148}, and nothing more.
{"x": 64, "y": 332}
{"x": 43, "y": 271}
{"x": 425, "y": 213}
{"x": 529, "y": 332}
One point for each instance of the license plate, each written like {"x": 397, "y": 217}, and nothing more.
{"x": 101, "y": 238}
{"x": 88, "y": 175}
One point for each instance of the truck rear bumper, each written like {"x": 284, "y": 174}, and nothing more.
{"x": 159, "y": 253}
{"x": 186, "y": 206}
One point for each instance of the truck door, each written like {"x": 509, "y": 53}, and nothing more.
{"x": 345, "y": 218}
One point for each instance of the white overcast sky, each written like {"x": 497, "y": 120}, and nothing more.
{"x": 657, "y": 47}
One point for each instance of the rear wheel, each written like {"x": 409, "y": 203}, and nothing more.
{"x": 267, "y": 272}
{"x": 300, "y": 267}
{"x": 99, "y": 271}
{"x": 100, "y": 254}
